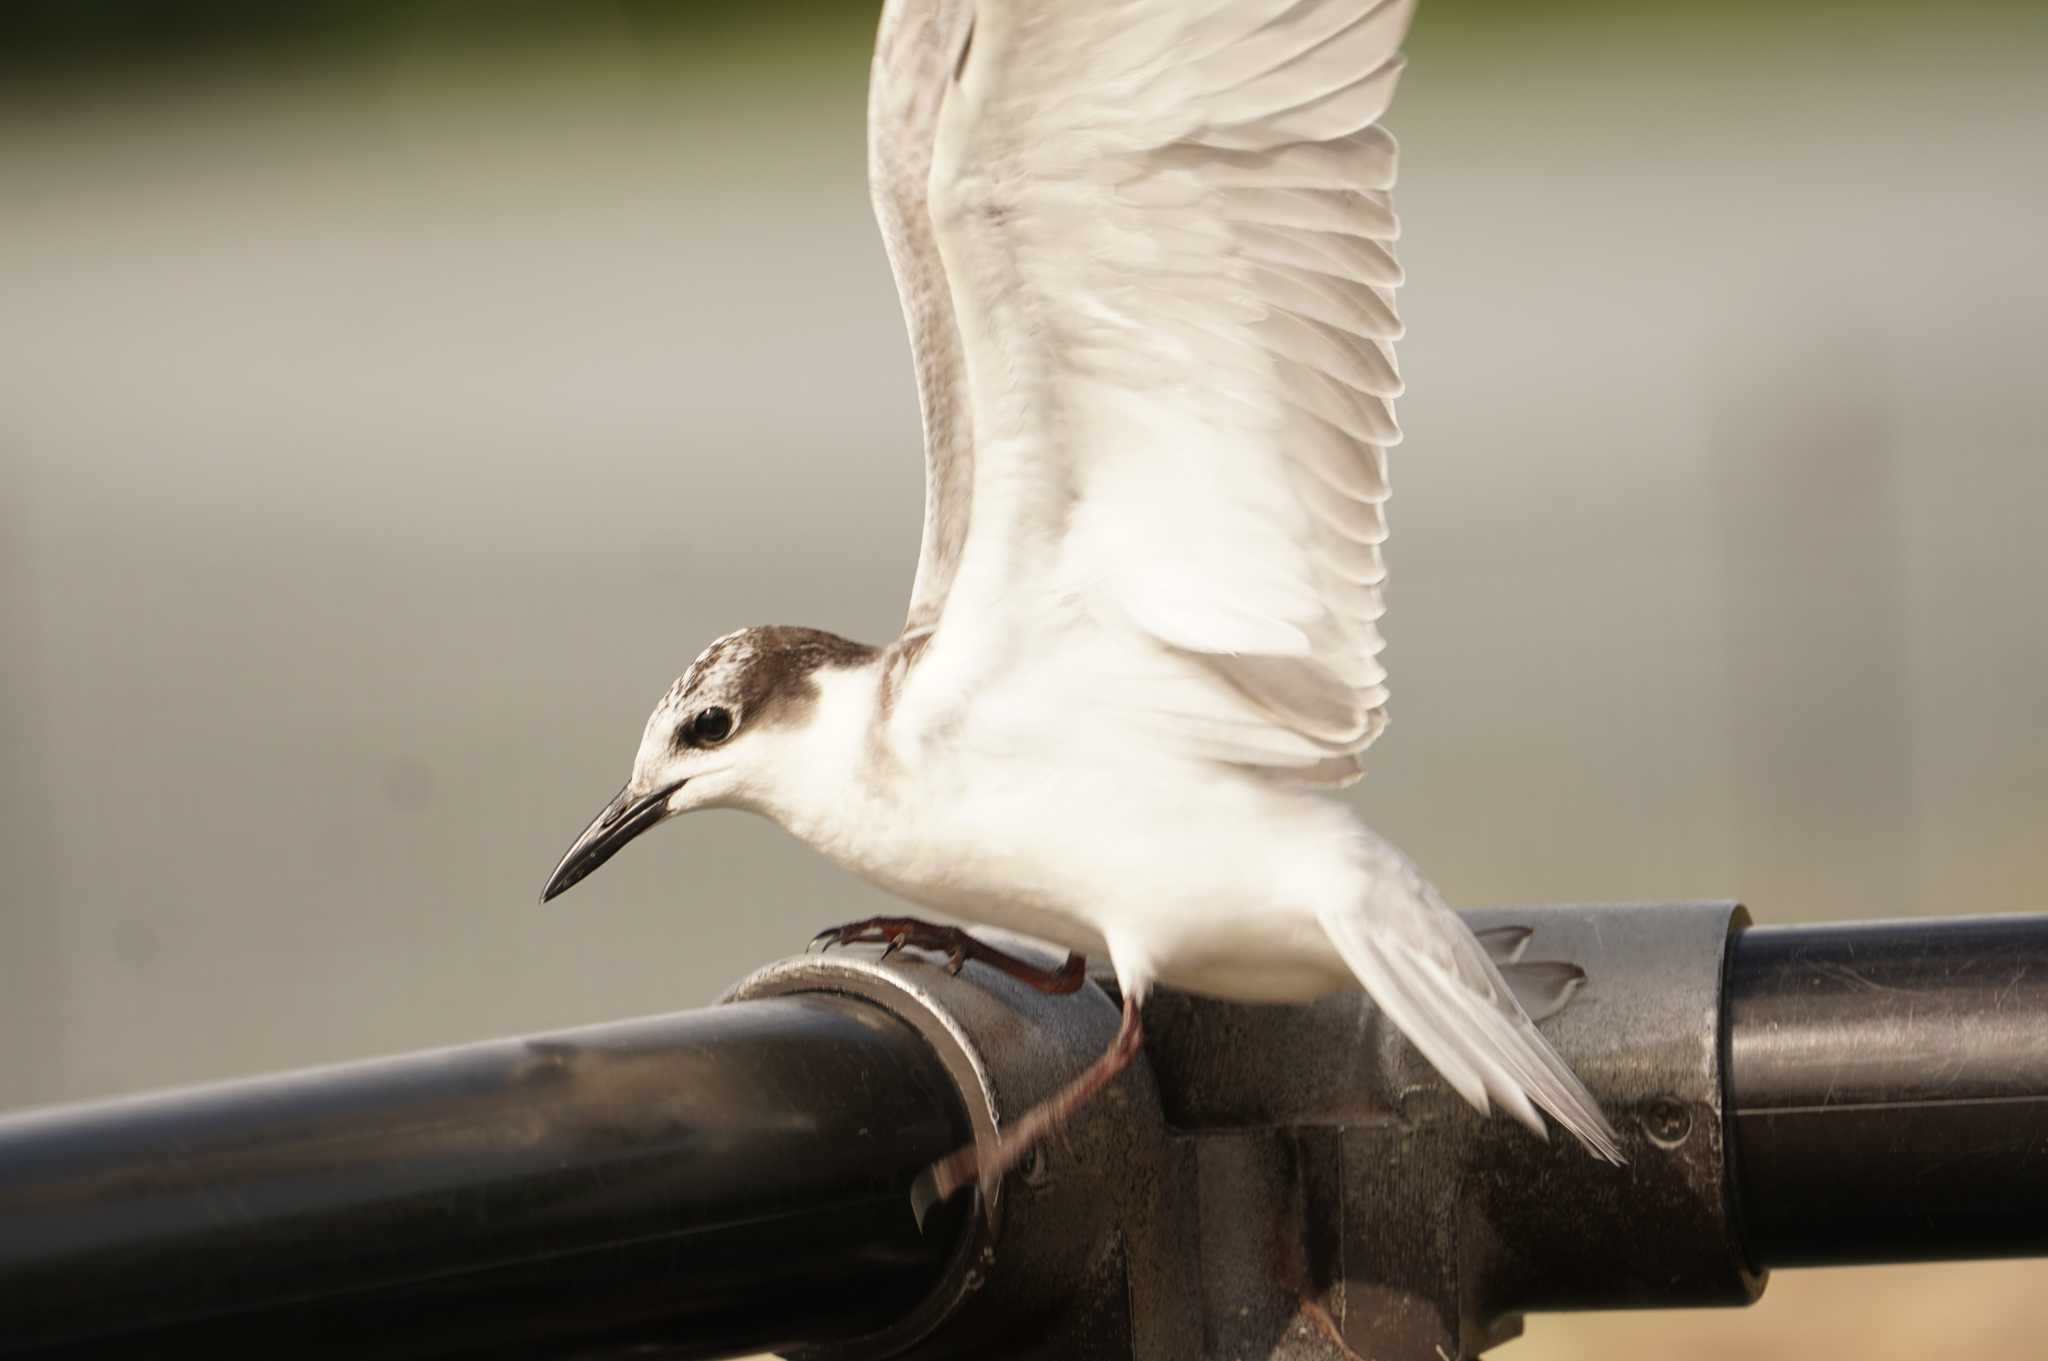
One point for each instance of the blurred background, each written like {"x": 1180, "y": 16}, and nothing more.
{"x": 394, "y": 397}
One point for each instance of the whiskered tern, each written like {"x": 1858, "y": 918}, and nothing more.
{"x": 1143, "y": 249}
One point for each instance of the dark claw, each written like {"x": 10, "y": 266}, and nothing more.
{"x": 941, "y": 1181}
{"x": 924, "y": 1196}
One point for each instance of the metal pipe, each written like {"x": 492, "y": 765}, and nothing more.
{"x": 737, "y": 1179}
{"x": 703, "y": 1184}
{"x": 1888, "y": 1087}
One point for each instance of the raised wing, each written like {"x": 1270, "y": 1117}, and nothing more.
{"x": 1167, "y": 228}
{"x": 917, "y": 49}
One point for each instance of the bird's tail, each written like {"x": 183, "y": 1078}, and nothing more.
{"x": 1467, "y": 1014}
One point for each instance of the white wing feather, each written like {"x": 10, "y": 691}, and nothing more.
{"x": 1167, "y": 234}
{"x": 1446, "y": 992}
{"x": 917, "y": 48}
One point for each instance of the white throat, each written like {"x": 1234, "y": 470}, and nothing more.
{"x": 821, "y": 776}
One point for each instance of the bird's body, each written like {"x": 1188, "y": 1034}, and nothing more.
{"x": 1143, "y": 251}
{"x": 1018, "y": 817}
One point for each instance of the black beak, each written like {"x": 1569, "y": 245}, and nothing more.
{"x": 619, "y": 823}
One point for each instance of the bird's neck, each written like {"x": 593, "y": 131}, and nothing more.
{"x": 826, "y": 777}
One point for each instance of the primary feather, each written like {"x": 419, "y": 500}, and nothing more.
{"x": 916, "y": 49}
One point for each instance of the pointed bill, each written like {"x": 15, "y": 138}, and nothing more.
{"x": 622, "y": 819}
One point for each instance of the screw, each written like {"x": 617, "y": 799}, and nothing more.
{"x": 1667, "y": 1122}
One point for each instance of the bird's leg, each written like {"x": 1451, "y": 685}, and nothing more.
{"x": 893, "y": 933}
{"x": 963, "y": 1166}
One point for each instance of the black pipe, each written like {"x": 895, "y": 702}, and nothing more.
{"x": 703, "y": 1184}
{"x": 1888, "y": 1090}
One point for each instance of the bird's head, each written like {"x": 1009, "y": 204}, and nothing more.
{"x": 720, "y": 738}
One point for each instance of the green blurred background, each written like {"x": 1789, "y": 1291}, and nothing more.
{"x": 393, "y": 397}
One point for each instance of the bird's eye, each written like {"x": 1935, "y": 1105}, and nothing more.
{"x": 713, "y": 725}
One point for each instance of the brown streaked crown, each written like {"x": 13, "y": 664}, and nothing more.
{"x": 761, "y": 674}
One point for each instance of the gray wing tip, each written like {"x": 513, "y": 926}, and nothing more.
{"x": 1587, "y": 1123}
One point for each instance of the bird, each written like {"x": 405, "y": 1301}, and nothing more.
{"x": 1144, "y": 254}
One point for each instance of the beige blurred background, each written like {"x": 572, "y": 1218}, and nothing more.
{"x": 388, "y": 410}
